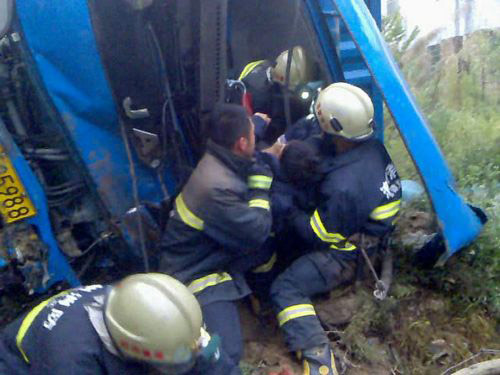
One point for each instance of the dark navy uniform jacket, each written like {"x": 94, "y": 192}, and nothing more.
{"x": 216, "y": 228}
{"x": 360, "y": 194}
{"x": 267, "y": 97}
{"x": 57, "y": 338}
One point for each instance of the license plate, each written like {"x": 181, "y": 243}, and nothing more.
{"x": 14, "y": 202}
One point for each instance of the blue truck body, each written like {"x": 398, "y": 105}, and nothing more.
{"x": 58, "y": 45}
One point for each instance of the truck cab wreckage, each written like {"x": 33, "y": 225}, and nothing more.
{"x": 102, "y": 112}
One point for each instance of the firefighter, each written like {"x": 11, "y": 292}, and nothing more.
{"x": 359, "y": 198}
{"x": 146, "y": 323}
{"x": 220, "y": 220}
{"x": 265, "y": 84}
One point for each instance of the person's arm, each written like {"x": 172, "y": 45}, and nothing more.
{"x": 332, "y": 222}
{"x": 242, "y": 224}
{"x": 261, "y": 121}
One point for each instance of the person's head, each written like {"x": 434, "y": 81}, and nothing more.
{"x": 299, "y": 162}
{"x": 154, "y": 319}
{"x": 233, "y": 129}
{"x": 301, "y": 68}
{"x": 345, "y": 112}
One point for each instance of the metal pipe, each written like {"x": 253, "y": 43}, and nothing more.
{"x": 16, "y": 119}
{"x": 387, "y": 268}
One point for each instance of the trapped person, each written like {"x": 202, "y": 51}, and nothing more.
{"x": 359, "y": 197}
{"x": 145, "y": 324}
{"x": 220, "y": 220}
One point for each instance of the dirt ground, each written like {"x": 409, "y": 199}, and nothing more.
{"x": 416, "y": 330}
{"x": 408, "y": 334}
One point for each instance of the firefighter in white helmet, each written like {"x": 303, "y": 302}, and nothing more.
{"x": 146, "y": 323}
{"x": 359, "y": 197}
{"x": 266, "y": 82}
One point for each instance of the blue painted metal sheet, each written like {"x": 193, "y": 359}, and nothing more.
{"x": 61, "y": 41}
{"x": 58, "y": 267}
{"x": 347, "y": 57}
{"x": 324, "y": 29}
{"x": 459, "y": 224}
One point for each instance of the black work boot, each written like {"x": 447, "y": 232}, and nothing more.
{"x": 319, "y": 361}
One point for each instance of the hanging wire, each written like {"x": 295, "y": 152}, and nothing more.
{"x": 135, "y": 193}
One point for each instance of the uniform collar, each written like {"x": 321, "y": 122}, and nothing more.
{"x": 237, "y": 164}
{"x": 95, "y": 311}
{"x": 331, "y": 160}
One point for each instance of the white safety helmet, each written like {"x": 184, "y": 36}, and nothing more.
{"x": 346, "y": 111}
{"x": 301, "y": 69}
{"x": 154, "y": 318}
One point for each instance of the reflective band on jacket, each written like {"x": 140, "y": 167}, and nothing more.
{"x": 294, "y": 312}
{"x": 262, "y": 203}
{"x": 248, "y": 68}
{"x": 266, "y": 267}
{"x": 260, "y": 182}
{"x": 347, "y": 247}
{"x": 386, "y": 211}
{"x": 28, "y": 320}
{"x": 200, "y": 284}
{"x": 321, "y": 232}
{"x": 188, "y": 217}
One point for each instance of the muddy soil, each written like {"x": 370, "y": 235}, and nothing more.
{"x": 417, "y": 330}
{"x": 412, "y": 332}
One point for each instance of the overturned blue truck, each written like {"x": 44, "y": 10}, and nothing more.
{"x": 102, "y": 114}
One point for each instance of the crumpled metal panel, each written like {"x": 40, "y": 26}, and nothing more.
{"x": 459, "y": 224}
{"x": 61, "y": 40}
{"x": 58, "y": 267}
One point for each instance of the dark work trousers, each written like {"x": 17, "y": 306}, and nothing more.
{"x": 313, "y": 273}
{"x": 222, "y": 318}
{"x": 265, "y": 269}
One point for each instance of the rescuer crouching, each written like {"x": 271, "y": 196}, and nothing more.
{"x": 358, "y": 197}
{"x": 145, "y": 324}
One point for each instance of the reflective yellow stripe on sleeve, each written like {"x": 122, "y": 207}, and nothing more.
{"x": 321, "y": 232}
{"x": 188, "y": 217}
{"x": 268, "y": 266}
{"x": 28, "y": 320}
{"x": 261, "y": 203}
{"x": 294, "y": 312}
{"x": 386, "y": 211}
{"x": 260, "y": 182}
{"x": 347, "y": 247}
{"x": 202, "y": 283}
{"x": 248, "y": 68}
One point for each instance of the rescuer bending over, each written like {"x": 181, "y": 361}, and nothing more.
{"x": 266, "y": 87}
{"x": 145, "y": 324}
{"x": 359, "y": 198}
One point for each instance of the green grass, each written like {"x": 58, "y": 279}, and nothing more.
{"x": 461, "y": 106}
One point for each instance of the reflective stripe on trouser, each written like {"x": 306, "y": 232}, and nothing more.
{"x": 311, "y": 274}
{"x": 196, "y": 286}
